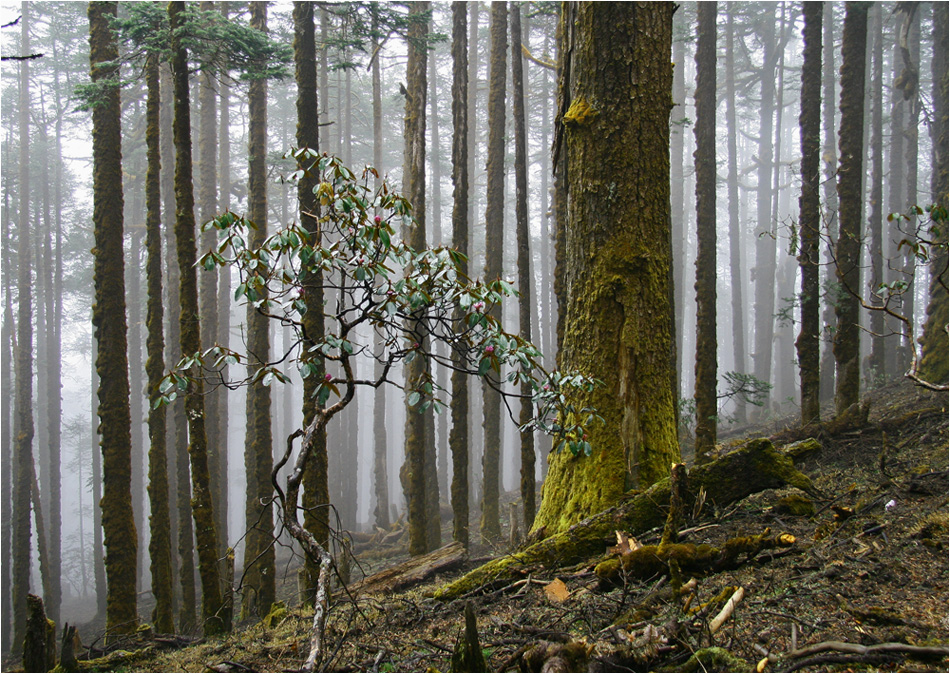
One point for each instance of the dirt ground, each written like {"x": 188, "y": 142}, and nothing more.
{"x": 870, "y": 566}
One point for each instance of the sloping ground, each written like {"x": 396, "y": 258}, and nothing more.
{"x": 869, "y": 567}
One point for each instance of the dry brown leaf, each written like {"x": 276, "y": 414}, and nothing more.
{"x": 557, "y": 591}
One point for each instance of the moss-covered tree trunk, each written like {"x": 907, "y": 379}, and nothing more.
{"x": 258, "y": 447}
{"x": 108, "y": 317}
{"x": 809, "y": 218}
{"x": 458, "y": 435}
{"x": 619, "y": 319}
{"x": 23, "y": 428}
{"x": 705, "y": 163}
{"x": 736, "y": 277}
{"x": 876, "y": 187}
{"x": 316, "y": 489}
{"x": 850, "y": 173}
{"x": 207, "y": 203}
{"x": 190, "y": 337}
{"x": 159, "y": 545}
{"x": 413, "y": 172}
{"x": 933, "y": 364}
{"x": 525, "y": 277}
{"x": 490, "y": 527}
{"x": 183, "y": 563}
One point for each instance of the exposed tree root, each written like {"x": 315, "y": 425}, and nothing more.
{"x": 751, "y": 468}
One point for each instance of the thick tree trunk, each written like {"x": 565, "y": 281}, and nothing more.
{"x": 754, "y": 467}
{"x": 159, "y": 546}
{"x": 619, "y": 325}
{"x": 190, "y": 340}
{"x": 933, "y": 363}
{"x": 809, "y": 218}
{"x": 121, "y": 540}
{"x": 458, "y": 436}
{"x": 413, "y": 471}
{"x": 259, "y": 578}
{"x": 489, "y": 526}
{"x": 705, "y": 163}
{"x": 848, "y": 249}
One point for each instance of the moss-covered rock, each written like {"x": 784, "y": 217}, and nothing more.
{"x": 795, "y": 505}
{"x": 277, "y": 614}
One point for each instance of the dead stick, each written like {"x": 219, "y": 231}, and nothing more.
{"x": 858, "y": 649}
{"x": 726, "y": 611}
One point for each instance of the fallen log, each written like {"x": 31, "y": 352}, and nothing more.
{"x": 412, "y": 571}
{"x": 751, "y": 468}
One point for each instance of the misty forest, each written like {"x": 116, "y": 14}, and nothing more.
{"x": 474, "y": 336}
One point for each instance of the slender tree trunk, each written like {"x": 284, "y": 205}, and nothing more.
{"x": 490, "y": 527}
{"x": 190, "y": 339}
{"x": 259, "y": 578}
{"x": 809, "y": 217}
{"x": 99, "y": 563}
{"x": 207, "y": 206}
{"x": 620, "y": 323}
{"x": 118, "y": 524}
{"x": 525, "y": 277}
{"x": 6, "y": 438}
{"x": 136, "y": 387}
{"x": 181, "y": 519}
{"x": 895, "y": 202}
{"x": 23, "y": 362}
{"x": 876, "y": 219}
{"x": 705, "y": 162}
{"x": 933, "y": 363}
{"x": 830, "y": 155}
{"x": 910, "y": 50}
{"x": 765, "y": 228}
{"x": 677, "y": 197}
{"x": 159, "y": 546}
{"x": 413, "y": 472}
{"x": 848, "y": 249}
{"x": 737, "y": 280}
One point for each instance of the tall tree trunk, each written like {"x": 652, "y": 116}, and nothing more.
{"x": 190, "y": 338}
{"x": 705, "y": 162}
{"x": 6, "y": 437}
{"x": 848, "y": 249}
{"x": 876, "y": 219}
{"x": 207, "y": 206}
{"x": 619, "y": 325}
{"x": 933, "y": 362}
{"x": 316, "y": 490}
{"x": 23, "y": 362}
{"x": 136, "y": 387}
{"x": 99, "y": 563}
{"x": 910, "y": 76}
{"x": 677, "y": 197}
{"x": 159, "y": 546}
{"x": 765, "y": 228}
{"x": 525, "y": 277}
{"x": 380, "y": 445}
{"x": 413, "y": 471}
{"x": 490, "y": 527}
{"x": 178, "y": 425}
{"x": 809, "y": 215}
{"x": 830, "y": 155}
{"x": 259, "y": 578}
{"x": 896, "y": 202}
{"x": 108, "y": 317}
{"x": 737, "y": 280}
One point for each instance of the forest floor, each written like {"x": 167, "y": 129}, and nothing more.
{"x": 869, "y": 567}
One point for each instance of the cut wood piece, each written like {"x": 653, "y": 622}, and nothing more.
{"x": 412, "y": 571}
{"x": 753, "y": 467}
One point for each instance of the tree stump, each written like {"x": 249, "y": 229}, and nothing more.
{"x": 468, "y": 656}
{"x": 39, "y": 642}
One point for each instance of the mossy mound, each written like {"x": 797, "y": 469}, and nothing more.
{"x": 795, "y": 505}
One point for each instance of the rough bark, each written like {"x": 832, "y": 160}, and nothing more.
{"x": 159, "y": 546}
{"x": 458, "y": 435}
{"x": 108, "y": 317}
{"x": 737, "y": 280}
{"x": 848, "y": 248}
{"x": 752, "y": 468}
{"x": 489, "y": 526}
{"x": 809, "y": 217}
{"x": 190, "y": 339}
{"x": 525, "y": 277}
{"x": 876, "y": 217}
{"x": 705, "y": 163}
{"x": 619, "y": 325}
{"x": 933, "y": 363}
{"x": 316, "y": 489}
{"x": 830, "y": 155}
{"x": 259, "y": 572}
{"x": 414, "y": 133}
